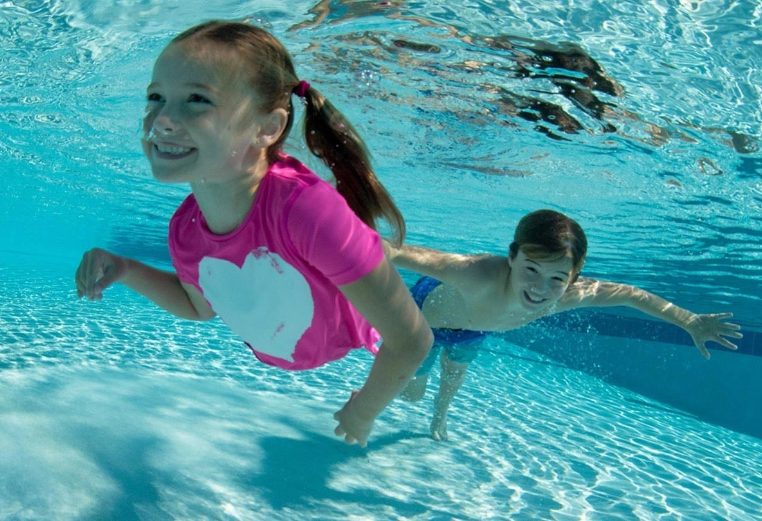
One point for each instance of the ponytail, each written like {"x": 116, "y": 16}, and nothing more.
{"x": 332, "y": 138}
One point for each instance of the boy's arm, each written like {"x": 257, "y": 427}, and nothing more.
{"x": 702, "y": 328}
{"x": 452, "y": 268}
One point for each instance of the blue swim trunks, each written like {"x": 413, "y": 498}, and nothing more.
{"x": 461, "y": 345}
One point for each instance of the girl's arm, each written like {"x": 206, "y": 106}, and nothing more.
{"x": 702, "y": 328}
{"x": 100, "y": 269}
{"x": 385, "y": 301}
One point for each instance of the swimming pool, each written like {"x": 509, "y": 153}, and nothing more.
{"x": 116, "y": 410}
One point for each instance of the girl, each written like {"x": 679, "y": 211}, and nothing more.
{"x": 290, "y": 264}
{"x": 539, "y": 277}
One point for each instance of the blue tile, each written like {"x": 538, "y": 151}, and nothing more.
{"x": 754, "y": 342}
{"x": 625, "y": 326}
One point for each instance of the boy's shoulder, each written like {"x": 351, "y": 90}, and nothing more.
{"x": 582, "y": 293}
{"x": 489, "y": 264}
{"x": 484, "y": 272}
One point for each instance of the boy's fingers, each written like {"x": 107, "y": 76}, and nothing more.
{"x": 734, "y": 327}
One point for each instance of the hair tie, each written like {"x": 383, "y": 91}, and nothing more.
{"x": 301, "y": 88}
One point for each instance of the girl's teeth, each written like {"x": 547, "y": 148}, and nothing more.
{"x": 171, "y": 149}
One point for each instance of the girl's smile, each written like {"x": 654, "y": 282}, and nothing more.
{"x": 170, "y": 151}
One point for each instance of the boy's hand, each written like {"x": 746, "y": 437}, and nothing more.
{"x": 98, "y": 270}
{"x": 712, "y": 328}
{"x": 352, "y": 426}
{"x": 389, "y": 250}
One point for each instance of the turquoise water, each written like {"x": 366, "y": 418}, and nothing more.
{"x": 114, "y": 410}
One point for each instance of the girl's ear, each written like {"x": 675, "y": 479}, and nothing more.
{"x": 273, "y": 126}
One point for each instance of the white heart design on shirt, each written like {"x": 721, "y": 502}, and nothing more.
{"x": 267, "y": 301}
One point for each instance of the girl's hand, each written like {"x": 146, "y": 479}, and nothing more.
{"x": 712, "y": 328}
{"x": 98, "y": 270}
{"x": 352, "y": 426}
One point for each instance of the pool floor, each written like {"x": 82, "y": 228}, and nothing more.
{"x": 114, "y": 410}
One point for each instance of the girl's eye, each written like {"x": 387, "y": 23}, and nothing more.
{"x": 153, "y": 97}
{"x": 198, "y": 98}
{"x": 559, "y": 279}
{"x": 532, "y": 269}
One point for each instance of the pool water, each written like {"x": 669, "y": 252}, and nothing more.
{"x": 139, "y": 416}
{"x": 116, "y": 410}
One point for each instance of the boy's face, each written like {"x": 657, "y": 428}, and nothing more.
{"x": 538, "y": 284}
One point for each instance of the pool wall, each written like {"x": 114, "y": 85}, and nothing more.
{"x": 658, "y": 361}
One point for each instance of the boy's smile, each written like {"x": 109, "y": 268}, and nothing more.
{"x": 538, "y": 284}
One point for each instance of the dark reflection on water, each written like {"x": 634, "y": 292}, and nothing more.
{"x": 557, "y": 69}
{"x": 470, "y": 95}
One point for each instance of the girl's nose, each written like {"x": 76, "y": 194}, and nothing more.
{"x": 164, "y": 125}
{"x": 166, "y": 120}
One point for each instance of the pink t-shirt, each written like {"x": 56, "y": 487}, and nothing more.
{"x": 274, "y": 279}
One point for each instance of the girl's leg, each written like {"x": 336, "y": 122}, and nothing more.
{"x": 452, "y": 376}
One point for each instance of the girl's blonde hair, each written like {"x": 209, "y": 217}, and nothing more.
{"x": 269, "y": 70}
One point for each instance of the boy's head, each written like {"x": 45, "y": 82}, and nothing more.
{"x": 546, "y": 235}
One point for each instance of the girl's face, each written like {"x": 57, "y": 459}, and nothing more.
{"x": 538, "y": 284}
{"x": 200, "y": 123}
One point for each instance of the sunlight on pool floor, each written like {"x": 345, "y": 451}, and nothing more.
{"x": 203, "y": 430}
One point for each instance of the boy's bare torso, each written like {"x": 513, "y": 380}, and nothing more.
{"x": 481, "y": 302}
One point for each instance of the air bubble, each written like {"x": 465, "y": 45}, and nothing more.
{"x": 258, "y": 21}
{"x": 367, "y": 77}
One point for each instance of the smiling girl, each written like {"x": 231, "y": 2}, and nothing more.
{"x": 293, "y": 265}
{"x": 464, "y": 296}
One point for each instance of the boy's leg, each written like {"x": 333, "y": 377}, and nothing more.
{"x": 453, "y": 374}
{"x": 417, "y": 386}
{"x": 455, "y": 362}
